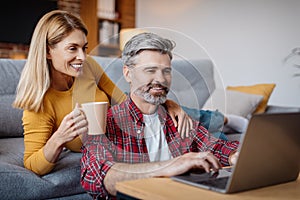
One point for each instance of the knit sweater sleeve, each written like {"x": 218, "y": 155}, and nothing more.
{"x": 115, "y": 95}
{"x": 38, "y": 128}
{"x": 37, "y": 131}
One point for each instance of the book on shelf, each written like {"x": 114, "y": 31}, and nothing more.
{"x": 109, "y": 33}
{"x": 107, "y": 9}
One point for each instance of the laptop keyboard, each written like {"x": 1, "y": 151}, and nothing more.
{"x": 215, "y": 182}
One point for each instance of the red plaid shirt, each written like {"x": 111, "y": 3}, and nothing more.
{"x": 124, "y": 142}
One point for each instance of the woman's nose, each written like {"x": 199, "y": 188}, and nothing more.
{"x": 81, "y": 55}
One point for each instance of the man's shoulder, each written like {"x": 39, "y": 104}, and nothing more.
{"x": 118, "y": 108}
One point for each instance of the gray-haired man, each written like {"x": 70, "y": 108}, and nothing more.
{"x": 141, "y": 139}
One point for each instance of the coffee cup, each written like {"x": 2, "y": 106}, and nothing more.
{"x": 96, "y": 116}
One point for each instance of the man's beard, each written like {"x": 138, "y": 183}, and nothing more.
{"x": 144, "y": 92}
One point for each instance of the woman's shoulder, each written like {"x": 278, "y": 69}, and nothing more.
{"x": 47, "y": 111}
{"x": 92, "y": 61}
{"x": 93, "y": 66}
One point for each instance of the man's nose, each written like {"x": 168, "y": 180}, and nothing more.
{"x": 160, "y": 77}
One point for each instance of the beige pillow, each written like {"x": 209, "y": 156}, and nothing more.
{"x": 264, "y": 89}
{"x": 233, "y": 102}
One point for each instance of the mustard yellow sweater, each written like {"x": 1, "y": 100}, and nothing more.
{"x": 92, "y": 85}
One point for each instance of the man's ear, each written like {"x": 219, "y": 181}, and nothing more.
{"x": 127, "y": 73}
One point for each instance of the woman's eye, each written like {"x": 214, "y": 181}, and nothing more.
{"x": 72, "y": 48}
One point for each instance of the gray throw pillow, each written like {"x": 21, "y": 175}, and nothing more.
{"x": 10, "y": 118}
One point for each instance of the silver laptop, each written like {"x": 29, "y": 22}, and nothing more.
{"x": 269, "y": 155}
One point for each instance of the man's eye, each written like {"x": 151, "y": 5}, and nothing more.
{"x": 150, "y": 71}
{"x": 167, "y": 71}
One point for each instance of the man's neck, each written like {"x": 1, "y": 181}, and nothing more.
{"x": 145, "y": 107}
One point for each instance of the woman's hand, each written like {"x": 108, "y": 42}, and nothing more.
{"x": 73, "y": 125}
{"x": 181, "y": 120}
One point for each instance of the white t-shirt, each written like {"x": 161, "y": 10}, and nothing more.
{"x": 157, "y": 146}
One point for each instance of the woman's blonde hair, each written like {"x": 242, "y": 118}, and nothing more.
{"x": 34, "y": 81}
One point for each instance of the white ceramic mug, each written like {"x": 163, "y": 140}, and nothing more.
{"x": 96, "y": 116}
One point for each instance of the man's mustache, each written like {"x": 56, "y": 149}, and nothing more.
{"x": 158, "y": 85}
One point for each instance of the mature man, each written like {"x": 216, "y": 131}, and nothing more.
{"x": 141, "y": 139}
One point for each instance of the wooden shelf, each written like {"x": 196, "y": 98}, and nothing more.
{"x": 110, "y": 20}
{"x": 88, "y": 13}
{"x": 106, "y": 51}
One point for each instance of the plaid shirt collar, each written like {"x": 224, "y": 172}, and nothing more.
{"x": 137, "y": 116}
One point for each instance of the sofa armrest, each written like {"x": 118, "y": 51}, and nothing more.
{"x": 270, "y": 109}
{"x": 281, "y": 109}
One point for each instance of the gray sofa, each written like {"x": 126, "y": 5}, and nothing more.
{"x": 16, "y": 182}
{"x": 193, "y": 81}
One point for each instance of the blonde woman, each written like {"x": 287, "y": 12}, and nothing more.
{"x": 57, "y": 75}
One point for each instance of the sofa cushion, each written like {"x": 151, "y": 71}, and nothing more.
{"x": 9, "y": 76}
{"x": 281, "y": 109}
{"x": 233, "y": 102}
{"x": 260, "y": 89}
{"x": 10, "y": 118}
{"x": 192, "y": 81}
{"x": 64, "y": 180}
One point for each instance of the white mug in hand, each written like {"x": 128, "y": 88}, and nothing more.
{"x": 96, "y": 116}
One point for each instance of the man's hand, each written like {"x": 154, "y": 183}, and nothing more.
{"x": 124, "y": 171}
{"x": 202, "y": 160}
{"x": 233, "y": 158}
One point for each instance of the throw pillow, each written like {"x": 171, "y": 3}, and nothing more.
{"x": 233, "y": 102}
{"x": 259, "y": 89}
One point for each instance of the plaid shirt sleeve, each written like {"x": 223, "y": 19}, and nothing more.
{"x": 204, "y": 141}
{"x": 96, "y": 160}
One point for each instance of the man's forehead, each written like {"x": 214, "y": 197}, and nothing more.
{"x": 152, "y": 65}
{"x": 151, "y": 56}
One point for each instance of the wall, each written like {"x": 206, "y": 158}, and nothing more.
{"x": 247, "y": 40}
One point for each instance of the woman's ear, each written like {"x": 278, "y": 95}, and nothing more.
{"x": 127, "y": 73}
{"x": 48, "y": 55}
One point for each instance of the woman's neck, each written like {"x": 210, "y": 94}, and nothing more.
{"x": 60, "y": 81}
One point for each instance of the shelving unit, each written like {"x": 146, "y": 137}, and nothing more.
{"x": 125, "y": 19}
